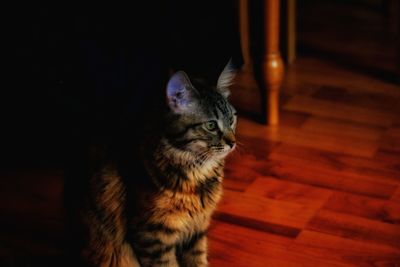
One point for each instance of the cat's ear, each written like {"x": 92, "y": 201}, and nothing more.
{"x": 226, "y": 78}
{"x": 181, "y": 95}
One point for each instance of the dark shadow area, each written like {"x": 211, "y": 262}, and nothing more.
{"x": 76, "y": 72}
{"x": 79, "y": 75}
{"x": 361, "y": 35}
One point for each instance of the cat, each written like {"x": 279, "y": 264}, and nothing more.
{"x": 159, "y": 215}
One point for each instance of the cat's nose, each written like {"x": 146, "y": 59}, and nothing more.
{"x": 230, "y": 139}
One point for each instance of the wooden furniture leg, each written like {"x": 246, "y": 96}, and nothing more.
{"x": 270, "y": 68}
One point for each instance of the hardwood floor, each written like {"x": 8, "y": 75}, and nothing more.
{"x": 320, "y": 189}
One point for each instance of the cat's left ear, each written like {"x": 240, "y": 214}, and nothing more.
{"x": 181, "y": 95}
{"x": 226, "y": 78}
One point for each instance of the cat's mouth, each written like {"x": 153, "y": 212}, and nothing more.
{"x": 224, "y": 150}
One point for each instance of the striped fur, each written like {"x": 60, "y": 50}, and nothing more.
{"x": 104, "y": 216}
{"x": 161, "y": 219}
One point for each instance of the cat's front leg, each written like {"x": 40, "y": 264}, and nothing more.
{"x": 194, "y": 252}
{"x": 156, "y": 249}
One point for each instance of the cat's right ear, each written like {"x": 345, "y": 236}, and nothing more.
{"x": 226, "y": 78}
{"x": 181, "y": 95}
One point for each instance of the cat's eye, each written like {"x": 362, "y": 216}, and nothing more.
{"x": 211, "y": 125}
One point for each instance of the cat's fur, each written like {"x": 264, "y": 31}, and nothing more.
{"x": 159, "y": 215}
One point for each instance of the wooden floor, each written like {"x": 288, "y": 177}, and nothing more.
{"x": 321, "y": 189}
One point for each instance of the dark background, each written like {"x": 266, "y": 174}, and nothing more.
{"x": 75, "y": 72}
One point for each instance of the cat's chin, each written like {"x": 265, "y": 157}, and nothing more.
{"x": 224, "y": 152}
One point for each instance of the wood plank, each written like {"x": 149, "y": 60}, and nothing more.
{"x": 238, "y": 173}
{"x": 330, "y": 179}
{"x": 257, "y": 224}
{"x": 334, "y": 248}
{"x": 391, "y": 140}
{"x": 314, "y": 73}
{"x": 337, "y": 166}
{"x": 235, "y": 182}
{"x": 389, "y": 157}
{"x": 380, "y": 170}
{"x": 335, "y": 110}
{"x": 273, "y": 188}
{"x": 224, "y": 252}
{"x": 256, "y": 146}
{"x": 305, "y": 173}
{"x": 232, "y": 245}
{"x": 396, "y": 195}
{"x": 239, "y": 168}
{"x": 344, "y": 129}
{"x": 351, "y": 146}
{"x": 376, "y": 209}
{"x": 271, "y": 211}
{"x": 369, "y": 100}
{"x": 292, "y": 85}
{"x": 367, "y": 187}
{"x": 354, "y": 227}
{"x": 356, "y": 174}
{"x": 293, "y": 119}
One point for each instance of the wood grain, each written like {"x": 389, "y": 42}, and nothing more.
{"x": 342, "y": 129}
{"x": 352, "y": 146}
{"x": 274, "y": 211}
{"x": 396, "y": 195}
{"x": 338, "y": 249}
{"x": 354, "y": 227}
{"x": 364, "y": 168}
{"x": 265, "y": 249}
{"x": 273, "y": 188}
{"x": 338, "y": 110}
{"x": 372, "y": 208}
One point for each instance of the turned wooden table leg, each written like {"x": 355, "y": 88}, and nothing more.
{"x": 270, "y": 69}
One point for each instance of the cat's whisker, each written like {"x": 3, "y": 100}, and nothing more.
{"x": 240, "y": 151}
{"x": 202, "y": 157}
{"x": 236, "y": 153}
{"x": 241, "y": 146}
{"x": 240, "y": 143}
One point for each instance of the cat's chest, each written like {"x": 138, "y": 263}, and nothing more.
{"x": 189, "y": 210}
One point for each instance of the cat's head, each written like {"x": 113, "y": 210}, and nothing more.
{"x": 201, "y": 120}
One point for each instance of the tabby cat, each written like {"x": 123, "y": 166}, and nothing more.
{"x": 162, "y": 219}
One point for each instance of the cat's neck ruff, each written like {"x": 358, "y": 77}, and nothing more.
{"x": 195, "y": 168}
